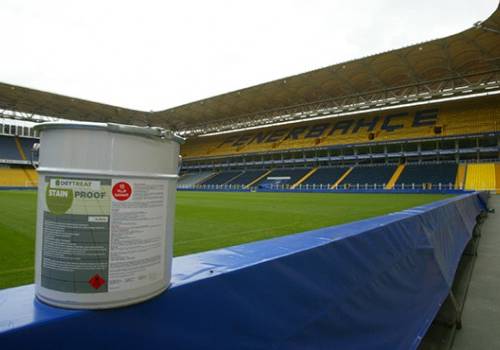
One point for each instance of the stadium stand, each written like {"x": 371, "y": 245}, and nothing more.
{"x": 404, "y": 176}
{"x": 18, "y": 177}
{"x": 433, "y": 174}
{"x": 342, "y": 177}
{"x": 447, "y": 119}
{"x": 8, "y": 148}
{"x": 25, "y": 145}
{"x": 221, "y": 178}
{"x": 478, "y": 116}
{"x": 16, "y": 148}
{"x": 394, "y": 178}
{"x": 325, "y": 176}
{"x": 404, "y": 106}
{"x": 305, "y": 177}
{"x": 480, "y": 177}
{"x": 13, "y": 149}
{"x": 283, "y": 177}
{"x": 258, "y": 179}
{"x": 247, "y": 177}
{"x": 369, "y": 175}
{"x": 191, "y": 179}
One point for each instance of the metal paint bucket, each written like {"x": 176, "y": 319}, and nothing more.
{"x": 105, "y": 218}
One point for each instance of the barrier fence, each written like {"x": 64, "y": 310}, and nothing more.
{"x": 309, "y": 188}
{"x": 371, "y": 284}
{"x": 329, "y": 187}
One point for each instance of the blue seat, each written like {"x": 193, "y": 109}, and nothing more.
{"x": 8, "y": 148}
{"x": 221, "y": 178}
{"x": 325, "y": 176}
{"x": 369, "y": 175}
{"x": 289, "y": 177}
{"x": 247, "y": 177}
{"x": 434, "y": 174}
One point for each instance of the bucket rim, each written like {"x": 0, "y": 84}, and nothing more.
{"x": 145, "y": 131}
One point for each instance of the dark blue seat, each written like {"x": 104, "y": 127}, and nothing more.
{"x": 325, "y": 176}
{"x": 8, "y": 148}
{"x": 289, "y": 176}
{"x": 221, "y": 178}
{"x": 434, "y": 174}
{"x": 369, "y": 175}
{"x": 247, "y": 177}
{"x": 27, "y": 145}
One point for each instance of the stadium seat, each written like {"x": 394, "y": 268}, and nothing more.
{"x": 434, "y": 174}
{"x": 247, "y": 177}
{"x": 480, "y": 177}
{"x": 18, "y": 177}
{"x": 456, "y": 118}
{"x": 479, "y": 116}
{"x": 221, "y": 178}
{"x": 191, "y": 179}
{"x": 8, "y": 148}
{"x": 325, "y": 176}
{"x": 305, "y": 177}
{"x": 378, "y": 175}
{"x": 26, "y": 146}
{"x": 283, "y": 177}
{"x": 394, "y": 178}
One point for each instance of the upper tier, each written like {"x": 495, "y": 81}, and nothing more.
{"x": 451, "y": 118}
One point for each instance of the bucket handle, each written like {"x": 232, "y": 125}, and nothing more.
{"x": 179, "y": 164}
{"x": 35, "y": 151}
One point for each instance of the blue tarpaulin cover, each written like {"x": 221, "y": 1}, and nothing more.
{"x": 371, "y": 284}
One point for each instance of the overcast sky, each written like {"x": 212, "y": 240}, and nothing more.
{"x": 152, "y": 55}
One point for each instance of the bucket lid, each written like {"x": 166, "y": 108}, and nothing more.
{"x": 145, "y": 131}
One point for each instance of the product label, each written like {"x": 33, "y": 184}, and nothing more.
{"x": 138, "y": 229}
{"x": 102, "y": 235}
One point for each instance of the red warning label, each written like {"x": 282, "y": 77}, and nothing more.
{"x": 122, "y": 191}
{"x": 96, "y": 281}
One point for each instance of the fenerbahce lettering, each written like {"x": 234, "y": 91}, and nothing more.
{"x": 388, "y": 123}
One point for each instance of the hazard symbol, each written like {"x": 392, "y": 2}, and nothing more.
{"x": 122, "y": 191}
{"x": 96, "y": 281}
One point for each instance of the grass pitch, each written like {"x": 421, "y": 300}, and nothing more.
{"x": 207, "y": 220}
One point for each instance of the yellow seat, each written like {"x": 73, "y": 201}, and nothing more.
{"x": 18, "y": 177}
{"x": 480, "y": 177}
{"x": 454, "y": 118}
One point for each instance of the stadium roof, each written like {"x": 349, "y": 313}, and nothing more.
{"x": 460, "y": 64}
